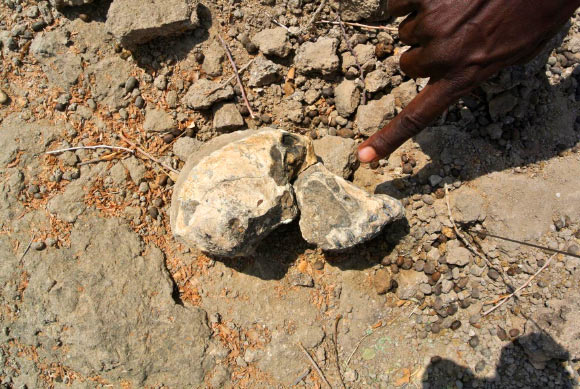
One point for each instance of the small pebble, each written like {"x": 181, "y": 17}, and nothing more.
{"x": 574, "y": 249}
{"x": 345, "y": 133}
{"x": 302, "y": 279}
{"x": 465, "y": 303}
{"x": 428, "y": 199}
{"x": 350, "y": 375}
{"x": 501, "y": 334}
{"x": 153, "y": 212}
{"x": 474, "y": 319}
{"x": 123, "y": 114}
{"x": 265, "y": 118}
{"x": 455, "y": 325}
{"x": 318, "y": 265}
{"x": 38, "y": 26}
{"x": 493, "y": 274}
{"x": 38, "y": 246}
{"x": 436, "y": 359}
{"x": 131, "y": 84}
{"x": 328, "y": 91}
{"x": 199, "y": 57}
{"x": 419, "y": 265}
{"x": 514, "y": 332}
{"x": 144, "y": 187}
{"x": 451, "y": 310}
{"x": 139, "y": 102}
{"x": 50, "y": 242}
{"x": 474, "y": 341}
{"x": 3, "y": 97}
{"x": 383, "y": 50}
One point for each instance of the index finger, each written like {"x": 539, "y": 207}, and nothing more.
{"x": 431, "y": 102}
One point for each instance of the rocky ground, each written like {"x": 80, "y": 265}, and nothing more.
{"x": 96, "y": 292}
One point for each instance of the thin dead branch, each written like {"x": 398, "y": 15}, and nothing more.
{"x": 335, "y": 339}
{"x": 314, "y": 365}
{"x": 525, "y": 284}
{"x": 360, "y": 69}
{"x": 104, "y": 158}
{"x": 302, "y": 376}
{"x": 237, "y": 74}
{"x": 314, "y": 17}
{"x": 358, "y": 345}
{"x": 89, "y": 148}
{"x": 276, "y": 22}
{"x": 231, "y": 78}
{"x": 26, "y": 250}
{"x": 149, "y": 156}
{"x": 536, "y": 246}
{"x": 365, "y": 26}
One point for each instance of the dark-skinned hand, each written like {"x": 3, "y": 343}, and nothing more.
{"x": 459, "y": 44}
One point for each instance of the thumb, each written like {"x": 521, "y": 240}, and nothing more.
{"x": 433, "y": 100}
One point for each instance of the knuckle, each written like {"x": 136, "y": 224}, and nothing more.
{"x": 382, "y": 143}
{"x": 412, "y": 124}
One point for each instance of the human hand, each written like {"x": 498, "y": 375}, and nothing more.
{"x": 459, "y": 44}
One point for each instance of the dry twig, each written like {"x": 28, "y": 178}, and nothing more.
{"x": 237, "y": 74}
{"x": 369, "y": 27}
{"x": 358, "y": 345}
{"x": 313, "y": 18}
{"x": 149, "y": 156}
{"x": 521, "y": 287}
{"x": 233, "y": 76}
{"x": 104, "y": 158}
{"x": 536, "y": 246}
{"x": 360, "y": 69}
{"x": 90, "y": 148}
{"x": 314, "y": 365}
{"x": 26, "y": 250}
{"x": 302, "y": 376}
{"x": 281, "y": 25}
{"x": 336, "y": 350}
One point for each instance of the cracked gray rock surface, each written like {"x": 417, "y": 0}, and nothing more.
{"x": 336, "y": 215}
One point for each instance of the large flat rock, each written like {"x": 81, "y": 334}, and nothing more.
{"x": 134, "y": 21}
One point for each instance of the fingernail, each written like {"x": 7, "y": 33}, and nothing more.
{"x": 367, "y": 154}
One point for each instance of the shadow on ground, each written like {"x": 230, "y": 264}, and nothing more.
{"x": 150, "y": 55}
{"x": 97, "y": 11}
{"x": 168, "y": 49}
{"x": 512, "y": 370}
{"x": 542, "y": 125}
{"x": 281, "y": 249}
